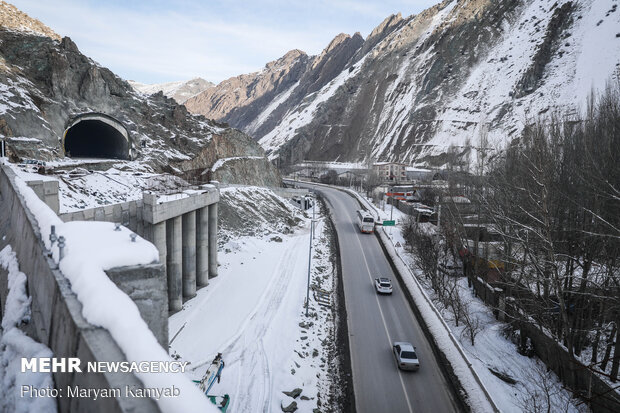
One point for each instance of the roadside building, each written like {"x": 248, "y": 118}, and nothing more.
{"x": 390, "y": 171}
{"x": 418, "y": 174}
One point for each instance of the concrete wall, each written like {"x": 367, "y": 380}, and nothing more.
{"x": 57, "y": 319}
{"x": 184, "y": 230}
{"x": 129, "y": 214}
{"x": 290, "y": 192}
{"x": 603, "y": 399}
{"x": 146, "y": 286}
{"x": 48, "y": 192}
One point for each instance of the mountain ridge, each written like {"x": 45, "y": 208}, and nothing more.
{"x": 440, "y": 79}
{"x": 180, "y": 91}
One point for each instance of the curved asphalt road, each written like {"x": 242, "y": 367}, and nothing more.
{"x": 376, "y": 321}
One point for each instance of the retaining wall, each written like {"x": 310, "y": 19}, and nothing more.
{"x": 184, "y": 231}
{"x": 289, "y": 192}
{"x": 48, "y": 192}
{"x": 57, "y": 319}
{"x": 127, "y": 213}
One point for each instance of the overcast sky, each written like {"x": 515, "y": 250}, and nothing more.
{"x": 158, "y": 41}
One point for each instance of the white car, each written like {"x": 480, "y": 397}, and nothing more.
{"x": 383, "y": 285}
{"x": 405, "y": 355}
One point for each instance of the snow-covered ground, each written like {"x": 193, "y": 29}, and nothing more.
{"x": 492, "y": 349}
{"x": 15, "y": 344}
{"x": 253, "y": 313}
{"x": 81, "y": 188}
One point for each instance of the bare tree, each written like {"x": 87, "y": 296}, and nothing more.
{"x": 555, "y": 200}
{"x": 471, "y": 323}
{"x": 542, "y": 392}
{"x": 372, "y": 181}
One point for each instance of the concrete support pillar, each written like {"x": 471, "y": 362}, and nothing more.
{"x": 189, "y": 254}
{"x": 158, "y": 237}
{"x": 173, "y": 263}
{"x": 213, "y": 240}
{"x": 202, "y": 247}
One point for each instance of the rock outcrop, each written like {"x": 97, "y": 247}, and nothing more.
{"x": 12, "y": 18}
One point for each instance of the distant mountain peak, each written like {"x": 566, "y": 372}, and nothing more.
{"x": 388, "y": 22}
{"x": 179, "y": 90}
{"x": 293, "y": 54}
{"x": 288, "y": 59}
{"x": 336, "y": 41}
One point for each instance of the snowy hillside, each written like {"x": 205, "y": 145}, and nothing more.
{"x": 584, "y": 60}
{"x": 270, "y": 347}
{"x": 539, "y": 57}
{"x": 420, "y": 84}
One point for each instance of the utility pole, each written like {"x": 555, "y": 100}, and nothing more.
{"x": 391, "y": 212}
{"x": 309, "y": 263}
{"x": 313, "y": 211}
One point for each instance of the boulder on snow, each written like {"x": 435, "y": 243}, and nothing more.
{"x": 290, "y": 408}
{"x": 294, "y": 393}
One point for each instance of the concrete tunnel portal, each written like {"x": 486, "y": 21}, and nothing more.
{"x": 96, "y": 135}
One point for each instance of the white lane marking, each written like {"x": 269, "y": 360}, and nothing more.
{"x": 409, "y": 310}
{"x": 387, "y": 333}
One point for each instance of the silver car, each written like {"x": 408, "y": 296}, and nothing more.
{"x": 405, "y": 355}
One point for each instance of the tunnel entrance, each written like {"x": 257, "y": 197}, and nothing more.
{"x": 96, "y": 136}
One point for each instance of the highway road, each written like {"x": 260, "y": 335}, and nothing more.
{"x": 375, "y": 322}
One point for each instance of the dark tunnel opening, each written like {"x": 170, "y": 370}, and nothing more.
{"x": 95, "y": 139}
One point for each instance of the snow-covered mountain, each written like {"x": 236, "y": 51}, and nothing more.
{"x": 179, "y": 91}
{"x": 252, "y": 91}
{"x": 417, "y": 85}
{"x": 46, "y": 81}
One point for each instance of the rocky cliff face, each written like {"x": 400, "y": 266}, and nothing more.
{"x": 419, "y": 85}
{"x": 179, "y": 91}
{"x": 253, "y": 102}
{"x": 250, "y": 91}
{"x": 45, "y": 82}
